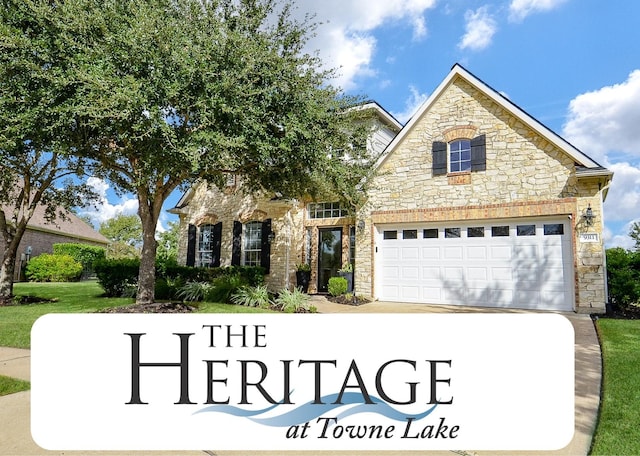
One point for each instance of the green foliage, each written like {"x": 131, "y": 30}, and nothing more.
{"x": 53, "y": 268}
{"x": 194, "y": 291}
{"x": 118, "y": 275}
{"x": 168, "y": 243}
{"x": 337, "y": 286}
{"x": 252, "y": 297}
{"x": 304, "y": 267}
{"x": 634, "y": 233}
{"x": 123, "y": 228}
{"x": 224, "y": 287}
{"x": 233, "y": 79}
{"x": 292, "y": 301}
{"x": 623, "y": 276}
{"x": 84, "y": 254}
{"x": 347, "y": 267}
{"x": 125, "y": 234}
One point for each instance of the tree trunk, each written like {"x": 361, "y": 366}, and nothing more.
{"x": 149, "y": 213}
{"x": 6, "y": 277}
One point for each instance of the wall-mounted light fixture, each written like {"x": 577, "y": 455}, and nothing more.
{"x": 588, "y": 216}
{"x": 361, "y": 226}
{"x": 271, "y": 237}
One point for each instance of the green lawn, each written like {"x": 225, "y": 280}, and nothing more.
{"x": 618, "y": 430}
{"x": 10, "y": 385}
{"x": 75, "y": 297}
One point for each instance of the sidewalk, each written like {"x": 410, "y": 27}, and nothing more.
{"x": 15, "y": 436}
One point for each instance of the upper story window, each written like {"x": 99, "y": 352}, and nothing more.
{"x": 460, "y": 155}
{"x": 326, "y": 210}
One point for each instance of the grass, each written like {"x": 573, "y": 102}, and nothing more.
{"x": 74, "y": 297}
{"x": 618, "y": 431}
{"x": 10, "y": 385}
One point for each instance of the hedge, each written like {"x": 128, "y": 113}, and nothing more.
{"x": 84, "y": 254}
{"x": 118, "y": 276}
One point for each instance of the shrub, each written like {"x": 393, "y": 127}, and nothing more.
{"x": 117, "y": 275}
{"x": 252, "y": 297}
{"x": 623, "y": 276}
{"x": 84, "y": 254}
{"x": 292, "y": 301}
{"x": 53, "y": 268}
{"x": 337, "y": 286}
{"x": 194, "y": 291}
{"x": 224, "y": 287}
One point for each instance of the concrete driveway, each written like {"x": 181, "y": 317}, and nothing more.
{"x": 15, "y": 436}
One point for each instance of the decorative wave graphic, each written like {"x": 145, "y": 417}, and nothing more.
{"x": 353, "y": 402}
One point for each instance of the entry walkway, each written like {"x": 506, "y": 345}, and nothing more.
{"x": 15, "y": 435}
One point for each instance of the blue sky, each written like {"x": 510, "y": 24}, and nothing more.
{"x": 572, "y": 64}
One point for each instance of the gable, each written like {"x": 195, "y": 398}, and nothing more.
{"x": 510, "y": 157}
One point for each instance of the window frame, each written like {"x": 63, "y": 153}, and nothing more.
{"x": 459, "y": 161}
{"x": 200, "y": 251}
{"x": 248, "y": 229}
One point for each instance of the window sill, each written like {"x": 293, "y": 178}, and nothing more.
{"x": 460, "y": 178}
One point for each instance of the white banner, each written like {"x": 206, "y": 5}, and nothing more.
{"x": 302, "y": 382}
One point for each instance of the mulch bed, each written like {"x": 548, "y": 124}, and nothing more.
{"x": 156, "y": 307}
{"x": 349, "y": 301}
{"x": 623, "y": 313}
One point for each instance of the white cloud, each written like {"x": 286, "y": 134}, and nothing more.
{"x": 604, "y": 124}
{"x": 480, "y": 28}
{"x": 345, "y": 37}
{"x": 519, "y": 9}
{"x": 606, "y": 120}
{"x": 411, "y": 105}
{"x": 623, "y": 200}
{"x": 104, "y": 210}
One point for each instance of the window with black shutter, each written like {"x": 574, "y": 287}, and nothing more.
{"x": 459, "y": 155}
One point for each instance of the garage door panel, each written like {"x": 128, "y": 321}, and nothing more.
{"x": 500, "y": 252}
{"x": 477, "y": 252}
{"x": 528, "y": 271}
{"x": 431, "y": 253}
{"x": 453, "y": 253}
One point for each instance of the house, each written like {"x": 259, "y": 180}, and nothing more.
{"x": 474, "y": 202}
{"x": 40, "y": 236}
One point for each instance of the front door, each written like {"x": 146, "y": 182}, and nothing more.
{"x": 329, "y": 256}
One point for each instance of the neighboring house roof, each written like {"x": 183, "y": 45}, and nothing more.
{"x": 72, "y": 226}
{"x": 585, "y": 165}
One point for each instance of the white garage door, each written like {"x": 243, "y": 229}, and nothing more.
{"x": 520, "y": 264}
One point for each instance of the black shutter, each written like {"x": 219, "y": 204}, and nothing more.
{"x": 478, "y": 153}
{"x": 439, "y": 152}
{"x": 265, "y": 253}
{"x": 216, "y": 236}
{"x": 236, "y": 249}
{"x": 191, "y": 245}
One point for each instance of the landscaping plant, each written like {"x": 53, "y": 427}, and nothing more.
{"x": 252, "y": 297}
{"x": 53, "y": 268}
{"x": 292, "y": 301}
{"x": 337, "y": 286}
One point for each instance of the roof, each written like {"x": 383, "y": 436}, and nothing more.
{"x": 73, "y": 226}
{"x": 458, "y": 71}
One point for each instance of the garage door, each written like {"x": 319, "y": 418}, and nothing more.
{"x": 519, "y": 264}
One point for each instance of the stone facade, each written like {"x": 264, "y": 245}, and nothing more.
{"x": 529, "y": 172}
{"x": 526, "y": 176}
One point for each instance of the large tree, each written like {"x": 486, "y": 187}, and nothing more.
{"x": 36, "y": 162}
{"x": 125, "y": 234}
{"x": 167, "y": 92}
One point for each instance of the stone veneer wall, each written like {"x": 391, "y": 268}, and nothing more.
{"x": 211, "y": 205}
{"x": 525, "y": 176}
